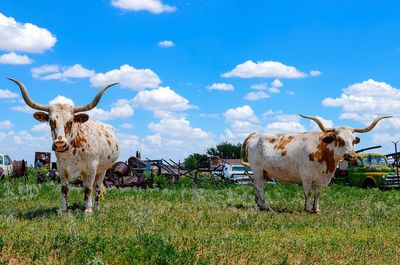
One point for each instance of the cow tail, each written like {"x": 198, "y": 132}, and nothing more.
{"x": 243, "y": 151}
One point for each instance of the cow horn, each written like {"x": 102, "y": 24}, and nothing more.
{"x": 321, "y": 126}
{"x": 371, "y": 126}
{"x": 95, "y": 101}
{"x": 27, "y": 99}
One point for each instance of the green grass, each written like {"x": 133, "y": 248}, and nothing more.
{"x": 198, "y": 224}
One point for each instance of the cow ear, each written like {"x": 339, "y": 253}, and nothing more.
{"x": 329, "y": 137}
{"x": 41, "y": 116}
{"x": 356, "y": 140}
{"x": 81, "y": 117}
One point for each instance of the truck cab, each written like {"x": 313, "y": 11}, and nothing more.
{"x": 368, "y": 171}
{"x": 6, "y": 166}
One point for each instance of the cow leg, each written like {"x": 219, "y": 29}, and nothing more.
{"x": 258, "y": 185}
{"x": 307, "y": 194}
{"x": 99, "y": 189}
{"x": 316, "y": 200}
{"x": 88, "y": 192}
{"x": 64, "y": 193}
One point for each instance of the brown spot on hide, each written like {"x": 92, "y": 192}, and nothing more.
{"x": 323, "y": 154}
{"x": 88, "y": 192}
{"x": 283, "y": 153}
{"x": 53, "y": 125}
{"x": 340, "y": 142}
{"x": 107, "y": 135}
{"x": 116, "y": 146}
{"x": 67, "y": 128}
{"x": 64, "y": 190}
{"x": 109, "y": 143}
{"x": 272, "y": 141}
{"x": 283, "y": 142}
{"x": 78, "y": 141}
{"x": 74, "y": 151}
{"x": 109, "y": 157}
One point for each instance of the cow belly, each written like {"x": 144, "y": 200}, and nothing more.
{"x": 283, "y": 175}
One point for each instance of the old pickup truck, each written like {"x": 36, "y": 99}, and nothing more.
{"x": 368, "y": 171}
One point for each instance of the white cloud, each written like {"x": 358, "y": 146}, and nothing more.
{"x": 41, "y": 127}
{"x": 129, "y": 77}
{"x": 166, "y": 44}
{"x": 164, "y": 114}
{"x": 250, "y": 69}
{"x": 315, "y": 73}
{"x": 127, "y": 125}
{"x": 177, "y": 138}
{"x": 23, "y": 108}
{"x": 256, "y": 95}
{"x": 221, "y": 86}
{"x": 244, "y": 113}
{"x": 13, "y": 58}
{"x": 5, "y": 93}
{"x": 153, "y": 6}
{"x": 38, "y": 72}
{"x": 262, "y": 86}
{"x": 6, "y": 124}
{"x": 276, "y": 83}
{"x": 25, "y": 37}
{"x": 161, "y": 99}
{"x": 209, "y": 115}
{"x": 325, "y": 122}
{"x": 361, "y": 101}
{"x": 284, "y": 127}
{"x": 52, "y": 72}
{"x": 120, "y": 110}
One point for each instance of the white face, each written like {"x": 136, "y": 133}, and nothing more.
{"x": 61, "y": 117}
{"x": 344, "y": 141}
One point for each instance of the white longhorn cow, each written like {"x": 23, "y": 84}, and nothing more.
{"x": 309, "y": 158}
{"x": 83, "y": 147}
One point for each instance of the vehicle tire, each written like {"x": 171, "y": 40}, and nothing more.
{"x": 369, "y": 183}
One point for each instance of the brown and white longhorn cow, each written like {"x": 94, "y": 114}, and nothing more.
{"x": 309, "y": 158}
{"x": 83, "y": 147}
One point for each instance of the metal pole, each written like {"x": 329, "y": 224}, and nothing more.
{"x": 395, "y": 159}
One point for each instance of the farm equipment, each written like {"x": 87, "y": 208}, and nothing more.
{"x": 368, "y": 171}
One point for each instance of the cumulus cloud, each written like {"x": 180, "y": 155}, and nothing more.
{"x": 161, "y": 99}
{"x": 6, "y": 124}
{"x": 315, "y": 73}
{"x": 25, "y": 37}
{"x": 283, "y": 123}
{"x": 180, "y": 141}
{"x": 166, "y": 44}
{"x": 120, "y": 110}
{"x": 127, "y": 125}
{"x": 209, "y": 115}
{"x": 64, "y": 73}
{"x": 244, "y": 113}
{"x": 153, "y": 6}
{"x": 41, "y": 127}
{"x": 256, "y": 95}
{"x": 221, "y": 86}
{"x": 5, "y": 93}
{"x": 366, "y": 99}
{"x": 15, "y": 59}
{"x": 129, "y": 77}
{"x": 250, "y": 69}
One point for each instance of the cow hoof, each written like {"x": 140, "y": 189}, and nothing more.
{"x": 88, "y": 211}
{"x": 61, "y": 211}
{"x": 317, "y": 211}
{"x": 309, "y": 211}
{"x": 264, "y": 208}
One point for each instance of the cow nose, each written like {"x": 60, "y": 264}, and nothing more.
{"x": 351, "y": 156}
{"x": 60, "y": 146}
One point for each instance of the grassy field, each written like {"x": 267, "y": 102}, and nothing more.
{"x": 198, "y": 224}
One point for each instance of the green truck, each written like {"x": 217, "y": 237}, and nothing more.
{"x": 368, "y": 171}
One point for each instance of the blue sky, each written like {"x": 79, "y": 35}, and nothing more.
{"x": 196, "y": 73}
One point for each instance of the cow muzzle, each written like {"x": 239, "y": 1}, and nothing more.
{"x": 60, "y": 146}
{"x": 350, "y": 157}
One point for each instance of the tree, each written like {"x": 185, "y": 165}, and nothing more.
{"x": 194, "y": 159}
{"x": 225, "y": 150}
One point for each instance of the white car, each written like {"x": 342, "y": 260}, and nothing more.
{"x": 238, "y": 174}
{"x": 6, "y": 166}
